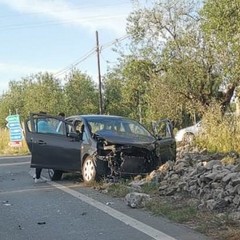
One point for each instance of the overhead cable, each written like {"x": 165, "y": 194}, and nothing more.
{"x": 88, "y": 54}
{"x": 75, "y": 63}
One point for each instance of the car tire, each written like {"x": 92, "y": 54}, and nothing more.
{"x": 55, "y": 175}
{"x": 89, "y": 172}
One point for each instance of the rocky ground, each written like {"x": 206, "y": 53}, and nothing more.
{"x": 210, "y": 182}
{"x": 214, "y": 179}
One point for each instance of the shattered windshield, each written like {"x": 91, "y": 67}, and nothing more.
{"x": 121, "y": 126}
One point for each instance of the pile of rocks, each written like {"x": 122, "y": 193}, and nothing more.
{"x": 207, "y": 177}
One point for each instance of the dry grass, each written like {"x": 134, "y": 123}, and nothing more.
{"x": 6, "y": 150}
{"x": 232, "y": 233}
{"x": 220, "y": 133}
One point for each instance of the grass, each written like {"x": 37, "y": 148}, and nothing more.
{"x": 119, "y": 190}
{"x": 6, "y": 150}
{"x": 150, "y": 188}
{"x": 180, "y": 211}
{"x": 231, "y": 234}
{"x": 219, "y": 227}
{"x": 221, "y": 133}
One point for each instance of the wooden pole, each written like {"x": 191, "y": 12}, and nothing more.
{"x": 99, "y": 76}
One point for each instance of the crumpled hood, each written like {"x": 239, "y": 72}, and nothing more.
{"x": 129, "y": 139}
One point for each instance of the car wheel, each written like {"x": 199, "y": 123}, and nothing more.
{"x": 55, "y": 175}
{"x": 188, "y": 137}
{"x": 89, "y": 172}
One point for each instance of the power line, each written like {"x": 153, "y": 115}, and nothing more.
{"x": 108, "y": 62}
{"x": 76, "y": 62}
{"x": 107, "y": 45}
{"x": 88, "y": 54}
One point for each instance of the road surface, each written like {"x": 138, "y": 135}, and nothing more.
{"x": 69, "y": 210}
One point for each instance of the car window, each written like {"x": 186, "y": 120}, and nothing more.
{"x": 136, "y": 129}
{"x": 45, "y": 125}
{"x": 29, "y": 126}
{"x": 61, "y": 129}
{"x": 48, "y": 125}
{"x": 163, "y": 129}
{"x": 96, "y": 126}
{"x": 117, "y": 125}
{"x": 78, "y": 126}
{"x": 84, "y": 136}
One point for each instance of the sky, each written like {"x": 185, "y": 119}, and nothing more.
{"x": 55, "y": 35}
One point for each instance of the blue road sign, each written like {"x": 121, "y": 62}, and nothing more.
{"x": 14, "y": 127}
{"x": 13, "y": 118}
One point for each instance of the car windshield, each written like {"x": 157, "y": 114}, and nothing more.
{"x": 121, "y": 126}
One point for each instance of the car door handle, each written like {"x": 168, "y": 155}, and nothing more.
{"x": 41, "y": 142}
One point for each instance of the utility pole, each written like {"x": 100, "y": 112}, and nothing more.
{"x": 99, "y": 76}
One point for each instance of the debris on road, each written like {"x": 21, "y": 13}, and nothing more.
{"x": 41, "y": 223}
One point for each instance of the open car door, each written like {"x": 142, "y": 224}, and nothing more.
{"x": 166, "y": 144}
{"x": 52, "y": 143}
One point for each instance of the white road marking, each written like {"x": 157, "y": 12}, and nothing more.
{"x": 11, "y": 157}
{"x": 142, "y": 227}
{"x": 13, "y": 164}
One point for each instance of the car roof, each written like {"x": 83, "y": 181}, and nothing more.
{"x": 97, "y": 116}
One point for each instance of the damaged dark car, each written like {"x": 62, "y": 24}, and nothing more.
{"x": 97, "y": 145}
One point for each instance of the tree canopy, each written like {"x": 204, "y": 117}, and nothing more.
{"x": 182, "y": 56}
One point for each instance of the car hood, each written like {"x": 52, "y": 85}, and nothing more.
{"x": 127, "y": 139}
{"x": 194, "y": 129}
{"x": 189, "y": 129}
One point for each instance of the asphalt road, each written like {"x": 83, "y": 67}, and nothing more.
{"x": 69, "y": 210}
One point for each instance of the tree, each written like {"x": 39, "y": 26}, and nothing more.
{"x": 136, "y": 78}
{"x": 42, "y": 92}
{"x": 126, "y": 87}
{"x": 11, "y": 102}
{"x": 39, "y": 92}
{"x": 81, "y": 94}
{"x": 153, "y": 26}
{"x": 222, "y": 26}
{"x": 113, "y": 93}
{"x": 169, "y": 34}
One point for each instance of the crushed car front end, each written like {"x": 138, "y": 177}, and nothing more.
{"x": 125, "y": 146}
{"x": 127, "y": 159}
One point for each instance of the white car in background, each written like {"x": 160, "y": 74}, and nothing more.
{"x": 188, "y": 134}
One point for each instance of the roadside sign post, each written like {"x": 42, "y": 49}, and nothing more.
{"x": 15, "y": 130}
